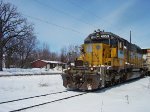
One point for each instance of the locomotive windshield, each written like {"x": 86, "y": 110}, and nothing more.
{"x": 106, "y": 39}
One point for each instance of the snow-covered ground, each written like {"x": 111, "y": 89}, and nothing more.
{"x": 129, "y": 97}
{"x": 36, "y": 71}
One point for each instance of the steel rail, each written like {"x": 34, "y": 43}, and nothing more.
{"x": 47, "y": 102}
{"x": 31, "y": 97}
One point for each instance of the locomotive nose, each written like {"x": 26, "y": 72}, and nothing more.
{"x": 91, "y": 82}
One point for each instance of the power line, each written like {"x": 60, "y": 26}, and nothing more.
{"x": 85, "y": 10}
{"x": 63, "y": 12}
{"x": 89, "y": 11}
{"x": 53, "y": 24}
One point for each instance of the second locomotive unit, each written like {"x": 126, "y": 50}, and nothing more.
{"x": 106, "y": 59}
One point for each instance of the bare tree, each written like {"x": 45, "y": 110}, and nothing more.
{"x": 13, "y": 29}
{"x": 26, "y": 48}
{"x": 45, "y": 52}
{"x": 69, "y": 54}
{"x": 63, "y": 54}
{"x": 19, "y": 51}
{"x": 73, "y": 52}
{"x": 42, "y": 52}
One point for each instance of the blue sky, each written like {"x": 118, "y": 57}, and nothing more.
{"x": 78, "y": 18}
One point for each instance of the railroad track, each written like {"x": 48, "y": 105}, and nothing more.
{"x": 27, "y": 103}
{"x": 30, "y": 74}
{"x": 31, "y": 97}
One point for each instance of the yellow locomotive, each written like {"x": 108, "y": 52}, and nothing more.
{"x": 106, "y": 59}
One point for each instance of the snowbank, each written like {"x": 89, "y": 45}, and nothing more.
{"x": 128, "y": 97}
{"x": 33, "y": 71}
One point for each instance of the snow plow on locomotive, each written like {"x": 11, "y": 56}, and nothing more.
{"x": 106, "y": 59}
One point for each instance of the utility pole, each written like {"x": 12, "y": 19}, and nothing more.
{"x": 130, "y": 49}
{"x": 4, "y": 65}
{"x": 1, "y": 47}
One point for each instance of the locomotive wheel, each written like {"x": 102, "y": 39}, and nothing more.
{"x": 113, "y": 78}
{"x": 113, "y": 81}
{"x": 108, "y": 84}
{"x": 124, "y": 78}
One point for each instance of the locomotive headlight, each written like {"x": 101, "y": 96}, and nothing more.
{"x": 92, "y": 68}
{"x": 69, "y": 68}
{"x": 89, "y": 86}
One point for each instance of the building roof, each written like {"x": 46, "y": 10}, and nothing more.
{"x": 46, "y": 61}
{"x": 58, "y": 62}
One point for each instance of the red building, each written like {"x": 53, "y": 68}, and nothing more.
{"x": 38, "y": 64}
{"x": 46, "y": 64}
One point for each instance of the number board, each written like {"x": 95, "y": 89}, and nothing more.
{"x": 105, "y": 36}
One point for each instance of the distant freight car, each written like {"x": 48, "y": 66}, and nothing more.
{"x": 106, "y": 59}
{"x": 148, "y": 60}
{"x": 146, "y": 56}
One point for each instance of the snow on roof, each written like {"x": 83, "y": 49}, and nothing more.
{"x": 46, "y": 61}
{"x": 52, "y": 61}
